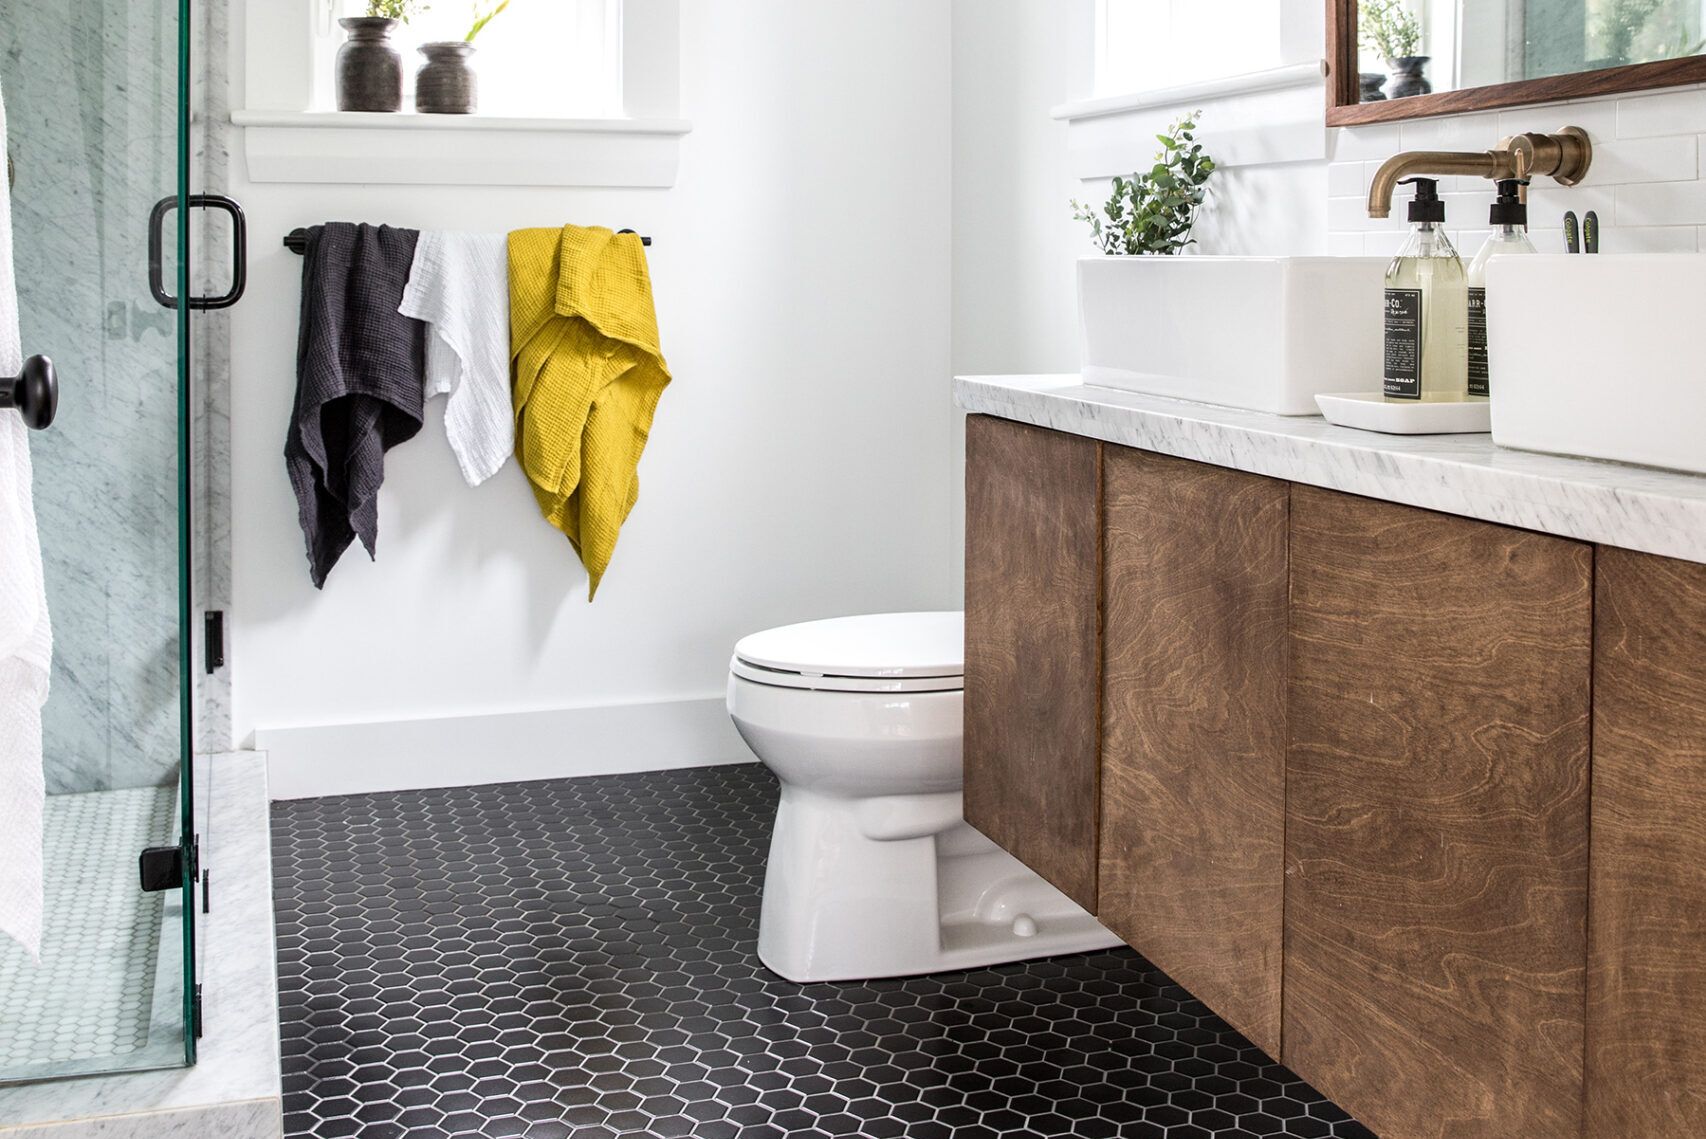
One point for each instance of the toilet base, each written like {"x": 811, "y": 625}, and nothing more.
{"x": 858, "y": 889}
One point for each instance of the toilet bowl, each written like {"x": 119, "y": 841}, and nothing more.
{"x": 873, "y": 870}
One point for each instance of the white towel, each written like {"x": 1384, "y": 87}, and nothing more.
{"x": 459, "y": 285}
{"x": 26, "y": 638}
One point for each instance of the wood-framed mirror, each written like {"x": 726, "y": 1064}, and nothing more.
{"x": 1455, "y": 56}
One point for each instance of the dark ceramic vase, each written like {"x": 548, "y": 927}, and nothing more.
{"x": 1407, "y": 77}
{"x": 1370, "y": 83}
{"x": 446, "y": 84}
{"x": 370, "y": 71}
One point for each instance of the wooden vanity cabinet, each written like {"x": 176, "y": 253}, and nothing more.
{"x": 1193, "y": 714}
{"x": 1033, "y": 656}
{"x": 1326, "y": 761}
{"x": 1646, "y": 1038}
{"x": 1437, "y": 819}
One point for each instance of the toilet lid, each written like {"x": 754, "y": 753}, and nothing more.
{"x": 877, "y": 652}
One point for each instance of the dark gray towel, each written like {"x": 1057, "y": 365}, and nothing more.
{"x": 360, "y": 367}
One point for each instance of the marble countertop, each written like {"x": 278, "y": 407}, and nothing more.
{"x": 1653, "y": 511}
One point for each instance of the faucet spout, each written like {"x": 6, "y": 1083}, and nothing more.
{"x": 1484, "y": 164}
{"x": 1564, "y": 157}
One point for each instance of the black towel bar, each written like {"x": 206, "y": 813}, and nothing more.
{"x": 297, "y": 240}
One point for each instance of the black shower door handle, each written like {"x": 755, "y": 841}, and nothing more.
{"x": 34, "y": 391}
{"x": 239, "y": 251}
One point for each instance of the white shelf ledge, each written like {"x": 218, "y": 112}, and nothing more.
{"x": 468, "y": 150}
{"x": 1308, "y": 74}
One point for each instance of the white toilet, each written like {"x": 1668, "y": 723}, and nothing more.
{"x": 873, "y": 872}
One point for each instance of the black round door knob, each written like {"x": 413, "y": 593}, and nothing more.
{"x": 34, "y": 391}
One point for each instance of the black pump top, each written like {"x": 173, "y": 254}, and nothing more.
{"x": 1425, "y": 206}
{"x": 1509, "y": 208}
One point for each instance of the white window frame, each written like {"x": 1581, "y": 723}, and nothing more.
{"x": 286, "y": 66}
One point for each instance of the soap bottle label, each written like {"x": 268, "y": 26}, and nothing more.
{"x": 1403, "y": 374}
{"x": 1478, "y": 342}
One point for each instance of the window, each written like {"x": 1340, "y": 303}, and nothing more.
{"x": 1142, "y": 45}
{"x": 550, "y": 58}
{"x": 572, "y": 93}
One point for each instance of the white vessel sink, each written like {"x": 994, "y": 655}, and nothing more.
{"x": 1600, "y": 356}
{"x": 1265, "y": 333}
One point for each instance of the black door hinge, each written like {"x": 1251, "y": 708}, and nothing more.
{"x": 162, "y": 868}
{"x": 195, "y": 1011}
{"x": 213, "y": 639}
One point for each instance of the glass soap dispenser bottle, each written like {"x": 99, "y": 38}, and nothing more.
{"x": 1427, "y": 309}
{"x": 1509, "y": 218}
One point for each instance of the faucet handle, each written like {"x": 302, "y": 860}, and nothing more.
{"x": 1564, "y": 156}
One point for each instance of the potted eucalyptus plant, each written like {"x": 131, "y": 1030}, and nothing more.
{"x": 369, "y": 68}
{"x": 1390, "y": 30}
{"x": 446, "y": 83}
{"x": 1154, "y": 210}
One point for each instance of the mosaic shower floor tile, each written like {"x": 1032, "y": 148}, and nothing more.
{"x": 575, "y": 958}
{"x": 91, "y": 1001}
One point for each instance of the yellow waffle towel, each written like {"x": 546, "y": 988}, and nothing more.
{"x": 588, "y": 374}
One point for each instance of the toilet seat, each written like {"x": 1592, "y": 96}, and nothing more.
{"x": 881, "y": 652}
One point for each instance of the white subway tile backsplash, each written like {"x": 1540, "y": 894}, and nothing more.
{"x": 1383, "y": 244}
{"x": 1547, "y": 202}
{"x": 1345, "y": 180}
{"x": 1356, "y": 144}
{"x": 1344, "y": 244}
{"x": 1647, "y": 183}
{"x": 1669, "y": 112}
{"x": 1598, "y": 118}
{"x": 1454, "y": 132}
{"x": 1650, "y": 239}
{"x": 1662, "y": 204}
{"x": 1347, "y": 214}
{"x": 1666, "y": 158}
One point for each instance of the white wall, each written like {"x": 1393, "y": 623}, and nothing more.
{"x": 1014, "y": 239}
{"x": 800, "y": 465}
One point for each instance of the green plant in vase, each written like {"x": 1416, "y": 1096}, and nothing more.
{"x": 483, "y": 15}
{"x": 1389, "y": 29}
{"x": 400, "y": 10}
{"x": 1153, "y": 211}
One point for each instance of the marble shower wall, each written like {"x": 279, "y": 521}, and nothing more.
{"x": 91, "y": 94}
{"x": 210, "y": 132}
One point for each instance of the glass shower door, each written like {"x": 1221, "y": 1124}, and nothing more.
{"x": 96, "y": 101}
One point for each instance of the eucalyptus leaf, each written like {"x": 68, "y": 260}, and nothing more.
{"x": 1154, "y": 211}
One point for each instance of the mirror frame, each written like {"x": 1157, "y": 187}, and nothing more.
{"x": 1345, "y": 109}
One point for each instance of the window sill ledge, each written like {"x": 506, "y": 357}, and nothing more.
{"x": 458, "y": 150}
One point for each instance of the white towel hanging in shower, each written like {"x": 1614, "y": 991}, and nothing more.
{"x": 26, "y": 638}
{"x": 459, "y": 285}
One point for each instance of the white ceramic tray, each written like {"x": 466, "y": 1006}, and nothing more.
{"x": 1369, "y": 411}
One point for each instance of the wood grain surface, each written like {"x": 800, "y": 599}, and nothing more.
{"x": 1646, "y": 1043}
{"x": 1437, "y": 815}
{"x": 1193, "y": 728}
{"x": 1033, "y": 657}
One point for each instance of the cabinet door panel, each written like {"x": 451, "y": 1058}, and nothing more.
{"x": 1436, "y": 843}
{"x": 1033, "y": 545}
{"x": 1646, "y": 1055}
{"x": 1193, "y": 715}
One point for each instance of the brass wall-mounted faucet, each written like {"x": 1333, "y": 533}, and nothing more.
{"x": 1564, "y": 157}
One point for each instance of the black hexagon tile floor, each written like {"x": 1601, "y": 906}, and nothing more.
{"x": 575, "y": 958}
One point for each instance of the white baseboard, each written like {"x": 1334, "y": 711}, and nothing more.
{"x": 460, "y": 751}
